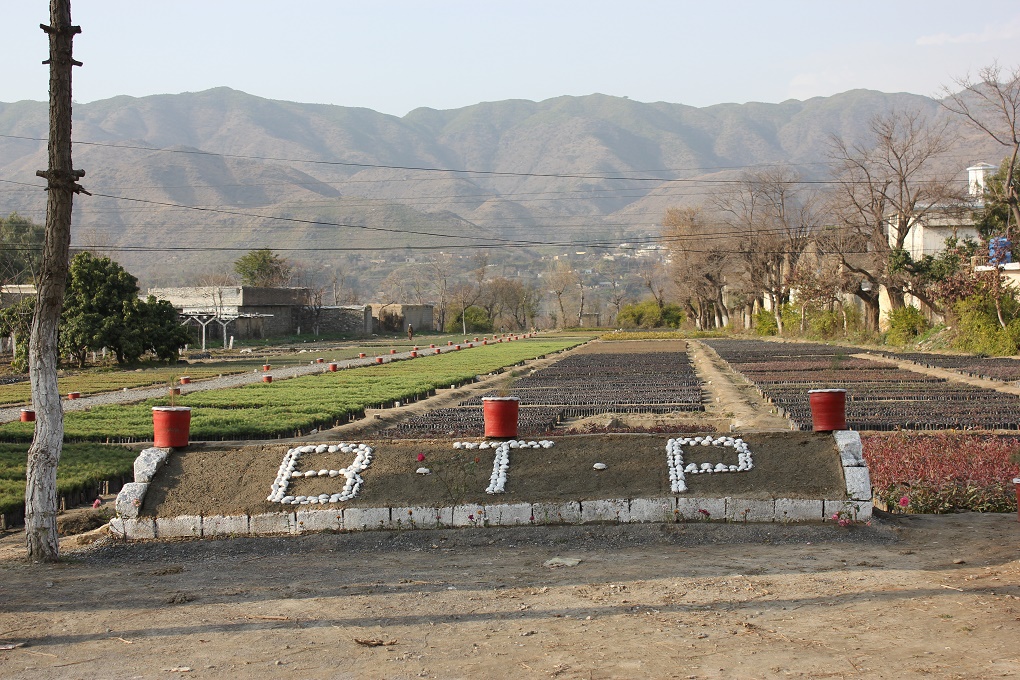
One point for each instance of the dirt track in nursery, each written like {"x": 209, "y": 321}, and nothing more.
{"x": 224, "y": 481}
{"x": 912, "y": 596}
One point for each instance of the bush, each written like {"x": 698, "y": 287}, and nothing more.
{"x": 905, "y": 325}
{"x": 943, "y": 472}
{"x": 648, "y": 314}
{"x": 476, "y": 320}
{"x": 978, "y": 330}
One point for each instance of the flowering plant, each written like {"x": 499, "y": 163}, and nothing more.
{"x": 847, "y": 515}
{"x": 943, "y": 472}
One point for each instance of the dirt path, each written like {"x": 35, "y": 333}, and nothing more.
{"x": 730, "y": 396}
{"x": 911, "y": 596}
{"x": 952, "y": 376}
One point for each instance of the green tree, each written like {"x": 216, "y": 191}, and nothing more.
{"x": 475, "y": 320}
{"x": 16, "y": 321}
{"x": 263, "y": 268}
{"x": 995, "y": 217}
{"x": 100, "y": 296}
{"x": 21, "y": 242}
{"x": 157, "y": 329}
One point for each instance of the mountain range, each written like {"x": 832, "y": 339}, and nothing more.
{"x": 219, "y": 172}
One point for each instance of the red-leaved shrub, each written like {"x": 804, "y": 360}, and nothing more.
{"x": 943, "y": 472}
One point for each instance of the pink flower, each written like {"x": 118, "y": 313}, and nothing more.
{"x": 471, "y": 517}
{"x": 421, "y": 457}
{"x": 905, "y": 501}
{"x": 97, "y": 503}
{"x": 704, "y": 512}
{"x": 835, "y": 516}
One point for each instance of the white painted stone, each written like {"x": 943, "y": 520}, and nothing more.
{"x": 508, "y": 514}
{"x": 652, "y": 509}
{"x": 310, "y": 521}
{"x": 117, "y": 528}
{"x": 798, "y": 510}
{"x": 129, "y": 500}
{"x": 858, "y": 483}
{"x": 358, "y": 519}
{"x": 750, "y": 510}
{"x": 851, "y": 452}
{"x": 225, "y": 525}
{"x": 140, "y": 528}
{"x": 605, "y": 510}
{"x": 271, "y": 523}
{"x": 147, "y": 462}
{"x": 688, "y": 508}
{"x": 557, "y": 513}
{"x": 180, "y": 526}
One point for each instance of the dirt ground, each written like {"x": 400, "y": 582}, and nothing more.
{"x": 909, "y": 596}
{"x": 927, "y": 596}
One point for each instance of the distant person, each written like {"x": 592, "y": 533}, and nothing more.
{"x": 410, "y": 333}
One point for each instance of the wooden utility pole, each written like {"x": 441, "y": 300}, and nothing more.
{"x": 61, "y": 185}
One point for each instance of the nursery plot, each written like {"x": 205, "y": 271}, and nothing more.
{"x": 880, "y": 396}
{"x": 1005, "y": 369}
{"x": 295, "y": 406}
{"x": 613, "y": 378}
{"x": 612, "y": 381}
{"x": 467, "y": 422}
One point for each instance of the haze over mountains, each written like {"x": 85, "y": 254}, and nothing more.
{"x": 565, "y": 170}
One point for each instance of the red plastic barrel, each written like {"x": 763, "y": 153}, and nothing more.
{"x": 267, "y": 378}
{"x": 500, "y": 415}
{"x": 361, "y": 355}
{"x": 828, "y": 409}
{"x": 27, "y": 415}
{"x": 332, "y": 367}
{"x": 413, "y": 354}
{"x": 185, "y": 379}
{"x": 74, "y": 395}
{"x": 378, "y": 360}
{"x": 171, "y": 426}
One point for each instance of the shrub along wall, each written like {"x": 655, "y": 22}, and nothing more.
{"x": 945, "y": 472}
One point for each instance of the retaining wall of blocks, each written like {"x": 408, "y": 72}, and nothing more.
{"x": 678, "y": 508}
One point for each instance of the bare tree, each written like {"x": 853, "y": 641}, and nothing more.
{"x": 562, "y": 278}
{"x": 698, "y": 267}
{"x": 991, "y": 103}
{"x": 884, "y": 187}
{"x": 655, "y": 278}
{"x": 61, "y": 185}
{"x": 439, "y": 270}
{"x": 617, "y": 293}
{"x": 774, "y": 219}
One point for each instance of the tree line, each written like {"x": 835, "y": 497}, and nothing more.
{"x": 772, "y": 249}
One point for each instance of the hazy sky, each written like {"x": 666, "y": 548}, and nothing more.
{"x": 397, "y": 55}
